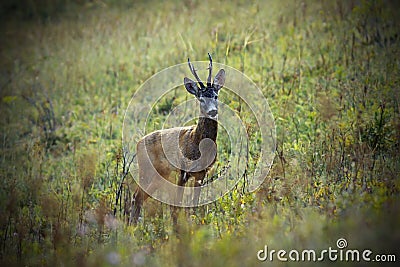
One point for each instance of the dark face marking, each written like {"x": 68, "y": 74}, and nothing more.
{"x": 209, "y": 92}
{"x": 207, "y": 95}
{"x": 208, "y": 99}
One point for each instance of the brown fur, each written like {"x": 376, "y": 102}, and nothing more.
{"x": 150, "y": 152}
{"x": 189, "y": 149}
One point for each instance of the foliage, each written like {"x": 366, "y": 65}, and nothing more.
{"x": 329, "y": 70}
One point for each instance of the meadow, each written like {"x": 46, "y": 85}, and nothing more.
{"x": 330, "y": 71}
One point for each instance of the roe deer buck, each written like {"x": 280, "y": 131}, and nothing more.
{"x": 194, "y": 157}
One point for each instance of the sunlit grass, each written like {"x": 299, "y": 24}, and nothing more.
{"x": 329, "y": 70}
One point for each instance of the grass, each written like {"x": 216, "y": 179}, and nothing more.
{"x": 329, "y": 70}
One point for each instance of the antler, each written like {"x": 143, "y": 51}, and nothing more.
{"x": 209, "y": 71}
{"x": 195, "y": 74}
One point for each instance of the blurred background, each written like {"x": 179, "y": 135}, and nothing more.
{"x": 329, "y": 69}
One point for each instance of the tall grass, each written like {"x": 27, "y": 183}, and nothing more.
{"x": 329, "y": 70}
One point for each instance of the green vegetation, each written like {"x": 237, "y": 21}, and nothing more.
{"x": 329, "y": 69}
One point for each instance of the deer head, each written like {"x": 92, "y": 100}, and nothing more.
{"x": 207, "y": 95}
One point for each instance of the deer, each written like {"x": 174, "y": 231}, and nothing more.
{"x": 193, "y": 148}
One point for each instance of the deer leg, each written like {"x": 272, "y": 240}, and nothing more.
{"x": 183, "y": 177}
{"x": 199, "y": 177}
{"x": 137, "y": 201}
{"x": 139, "y": 197}
{"x": 196, "y": 193}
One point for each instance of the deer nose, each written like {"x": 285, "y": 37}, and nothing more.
{"x": 212, "y": 113}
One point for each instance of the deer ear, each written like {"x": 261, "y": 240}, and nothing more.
{"x": 191, "y": 86}
{"x": 219, "y": 80}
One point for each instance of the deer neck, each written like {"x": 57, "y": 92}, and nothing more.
{"x": 206, "y": 128}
